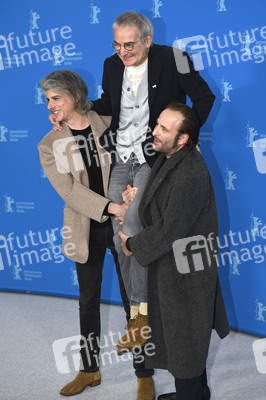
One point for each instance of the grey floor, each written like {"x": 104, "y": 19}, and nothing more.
{"x": 31, "y": 324}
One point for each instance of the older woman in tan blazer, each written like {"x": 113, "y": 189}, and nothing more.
{"x": 78, "y": 168}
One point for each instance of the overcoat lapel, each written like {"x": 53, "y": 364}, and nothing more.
{"x": 160, "y": 171}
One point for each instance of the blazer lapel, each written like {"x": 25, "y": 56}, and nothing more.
{"x": 67, "y": 147}
{"x": 154, "y": 70}
{"x": 117, "y": 87}
{"x": 98, "y": 127}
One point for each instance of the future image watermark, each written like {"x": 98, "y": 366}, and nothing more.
{"x": 67, "y": 351}
{"x": 34, "y": 247}
{"x": 67, "y": 151}
{"x": 191, "y": 254}
{"x": 231, "y": 47}
{"x": 197, "y": 253}
{"x": 259, "y": 350}
{"x": 259, "y": 150}
{"x": 12, "y": 44}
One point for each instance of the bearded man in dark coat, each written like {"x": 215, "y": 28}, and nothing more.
{"x": 179, "y": 246}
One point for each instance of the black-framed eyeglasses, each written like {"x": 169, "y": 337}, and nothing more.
{"x": 129, "y": 46}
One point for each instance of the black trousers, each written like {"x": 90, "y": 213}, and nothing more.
{"x": 90, "y": 279}
{"x": 192, "y": 389}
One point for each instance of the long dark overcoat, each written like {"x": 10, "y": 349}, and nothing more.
{"x": 183, "y": 308}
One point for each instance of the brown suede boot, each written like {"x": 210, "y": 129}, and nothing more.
{"x": 137, "y": 333}
{"x": 145, "y": 389}
{"x": 82, "y": 380}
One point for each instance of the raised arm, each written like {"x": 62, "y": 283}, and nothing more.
{"x": 196, "y": 88}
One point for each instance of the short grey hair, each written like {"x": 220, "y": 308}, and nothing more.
{"x": 70, "y": 83}
{"x": 130, "y": 18}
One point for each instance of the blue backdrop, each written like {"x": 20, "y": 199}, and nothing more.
{"x": 227, "y": 42}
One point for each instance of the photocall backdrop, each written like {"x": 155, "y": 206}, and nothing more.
{"x": 227, "y": 42}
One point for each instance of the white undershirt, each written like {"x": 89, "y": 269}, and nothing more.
{"x": 135, "y": 74}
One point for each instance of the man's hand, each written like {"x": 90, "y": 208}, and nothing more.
{"x": 119, "y": 210}
{"x": 56, "y": 125}
{"x": 129, "y": 194}
{"x": 124, "y": 238}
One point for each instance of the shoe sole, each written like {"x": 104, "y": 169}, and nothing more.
{"x": 92, "y": 384}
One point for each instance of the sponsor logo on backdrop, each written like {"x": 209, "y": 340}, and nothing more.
{"x": 9, "y": 204}
{"x": 12, "y": 206}
{"x": 221, "y": 6}
{"x": 37, "y": 45}
{"x": 16, "y": 272}
{"x": 235, "y": 262}
{"x": 57, "y": 57}
{"x": 225, "y": 49}
{"x": 247, "y": 42}
{"x": 39, "y": 98}
{"x": 34, "y": 16}
{"x": 226, "y": 88}
{"x": 230, "y": 177}
{"x": 260, "y": 311}
{"x": 8, "y": 135}
{"x": 95, "y": 10}
{"x": 20, "y": 251}
{"x": 155, "y": 8}
{"x": 255, "y": 224}
{"x": 74, "y": 277}
{"x": 205, "y": 137}
{"x": 3, "y": 132}
{"x": 42, "y": 173}
{"x": 98, "y": 91}
{"x": 251, "y": 134}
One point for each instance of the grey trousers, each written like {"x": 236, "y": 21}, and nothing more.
{"x": 133, "y": 274}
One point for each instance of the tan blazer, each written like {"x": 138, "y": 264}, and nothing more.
{"x": 63, "y": 165}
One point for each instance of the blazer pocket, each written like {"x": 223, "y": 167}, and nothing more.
{"x": 74, "y": 244}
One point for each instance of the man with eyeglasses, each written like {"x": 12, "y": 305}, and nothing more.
{"x": 139, "y": 81}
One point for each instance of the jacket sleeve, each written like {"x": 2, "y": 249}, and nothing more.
{"x": 184, "y": 205}
{"x": 103, "y": 106}
{"x": 77, "y": 196}
{"x": 194, "y": 86}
